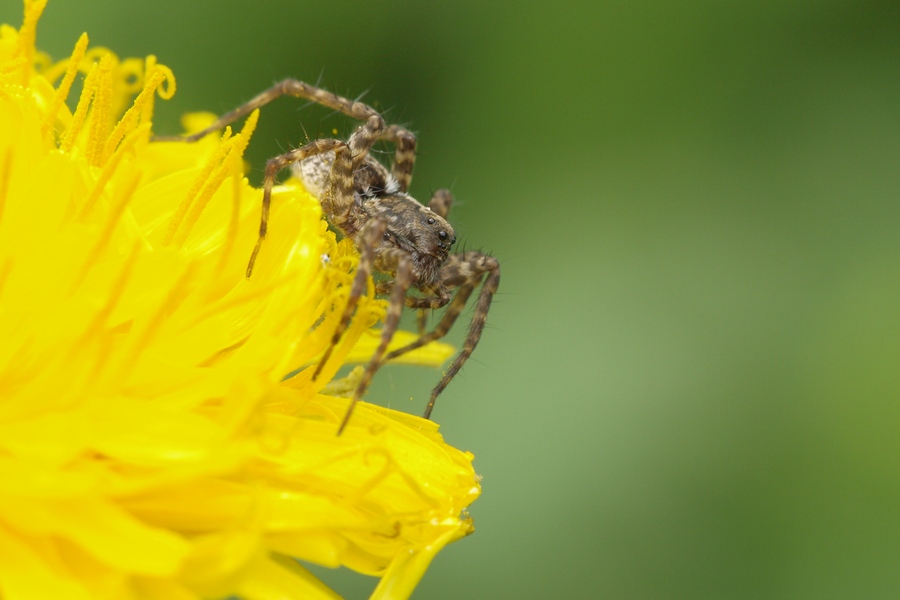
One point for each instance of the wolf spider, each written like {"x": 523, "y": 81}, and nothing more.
{"x": 394, "y": 233}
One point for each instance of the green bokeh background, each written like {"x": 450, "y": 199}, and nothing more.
{"x": 690, "y": 387}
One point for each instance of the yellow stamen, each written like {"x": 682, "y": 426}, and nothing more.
{"x": 168, "y": 90}
{"x": 62, "y": 92}
{"x": 110, "y": 167}
{"x": 210, "y": 187}
{"x": 239, "y": 143}
{"x": 96, "y": 54}
{"x": 127, "y": 122}
{"x": 165, "y": 91}
{"x": 42, "y": 61}
{"x": 84, "y": 102}
{"x": 100, "y": 113}
{"x": 131, "y": 76}
{"x": 27, "y": 37}
{"x": 127, "y": 78}
{"x": 179, "y": 214}
{"x": 231, "y": 234}
{"x": 12, "y": 66}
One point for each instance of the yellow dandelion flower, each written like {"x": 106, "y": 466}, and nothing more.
{"x": 148, "y": 447}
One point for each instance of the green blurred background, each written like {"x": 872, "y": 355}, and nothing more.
{"x": 690, "y": 387}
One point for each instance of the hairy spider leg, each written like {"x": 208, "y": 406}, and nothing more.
{"x": 440, "y": 202}
{"x": 465, "y": 272}
{"x": 405, "y": 140}
{"x": 276, "y": 164}
{"x": 399, "y": 262}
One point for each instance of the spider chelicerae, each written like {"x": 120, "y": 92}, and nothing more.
{"x": 394, "y": 233}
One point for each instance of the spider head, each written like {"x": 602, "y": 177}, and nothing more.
{"x": 423, "y": 234}
{"x": 437, "y": 235}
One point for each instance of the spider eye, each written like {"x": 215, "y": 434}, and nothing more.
{"x": 442, "y": 235}
{"x": 387, "y": 235}
{"x": 430, "y": 220}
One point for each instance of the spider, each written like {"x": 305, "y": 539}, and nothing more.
{"x": 394, "y": 233}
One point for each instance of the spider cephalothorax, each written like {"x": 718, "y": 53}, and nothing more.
{"x": 395, "y": 234}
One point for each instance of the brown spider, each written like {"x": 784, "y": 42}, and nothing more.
{"x": 394, "y": 233}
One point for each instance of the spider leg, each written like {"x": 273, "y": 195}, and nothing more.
{"x": 469, "y": 270}
{"x": 465, "y": 272}
{"x": 435, "y": 302}
{"x": 287, "y": 87}
{"x": 446, "y": 322}
{"x": 440, "y": 299}
{"x": 402, "y": 266}
{"x": 276, "y": 164}
{"x": 338, "y": 202}
{"x": 421, "y": 321}
{"x": 405, "y": 155}
{"x": 440, "y": 202}
{"x": 368, "y": 240}
{"x": 419, "y": 303}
